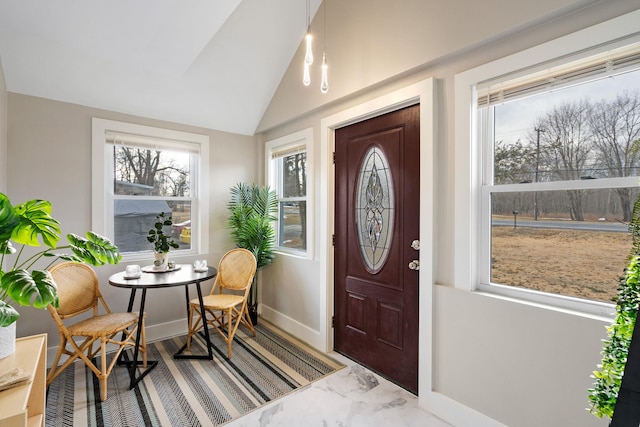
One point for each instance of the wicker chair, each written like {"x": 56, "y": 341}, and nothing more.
{"x": 78, "y": 293}
{"x": 227, "y": 308}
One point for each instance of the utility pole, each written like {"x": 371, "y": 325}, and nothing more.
{"x": 535, "y": 195}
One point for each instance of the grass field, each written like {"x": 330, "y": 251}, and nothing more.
{"x": 583, "y": 264}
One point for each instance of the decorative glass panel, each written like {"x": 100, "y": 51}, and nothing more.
{"x": 375, "y": 209}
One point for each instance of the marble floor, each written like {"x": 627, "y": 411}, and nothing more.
{"x": 351, "y": 397}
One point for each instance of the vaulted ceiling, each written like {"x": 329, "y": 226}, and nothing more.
{"x": 214, "y": 64}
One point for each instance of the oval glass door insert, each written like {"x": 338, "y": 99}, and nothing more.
{"x": 374, "y": 209}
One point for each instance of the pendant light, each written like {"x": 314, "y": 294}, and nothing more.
{"x": 306, "y": 76}
{"x": 324, "y": 82}
{"x": 308, "y": 57}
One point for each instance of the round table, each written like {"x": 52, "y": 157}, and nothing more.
{"x": 182, "y": 275}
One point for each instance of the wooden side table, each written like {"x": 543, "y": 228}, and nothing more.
{"x": 24, "y": 405}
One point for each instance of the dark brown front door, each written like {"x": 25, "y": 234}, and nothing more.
{"x": 377, "y": 206}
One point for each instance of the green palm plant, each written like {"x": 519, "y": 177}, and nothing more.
{"x": 25, "y": 225}
{"x": 252, "y": 212}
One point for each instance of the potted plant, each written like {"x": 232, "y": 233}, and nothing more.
{"x": 162, "y": 243}
{"x": 252, "y": 210}
{"x": 25, "y": 225}
{"x": 604, "y": 394}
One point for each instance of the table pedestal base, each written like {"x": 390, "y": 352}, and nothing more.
{"x": 133, "y": 365}
{"x": 179, "y": 277}
{"x": 207, "y": 338}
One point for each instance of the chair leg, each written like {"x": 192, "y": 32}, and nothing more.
{"x": 229, "y": 332}
{"x": 247, "y": 320}
{"x": 103, "y": 370}
{"x": 143, "y": 345}
{"x": 54, "y": 371}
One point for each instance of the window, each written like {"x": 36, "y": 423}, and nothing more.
{"x": 557, "y": 171}
{"x": 140, "y": 172}
{"x": 288, "y": 161}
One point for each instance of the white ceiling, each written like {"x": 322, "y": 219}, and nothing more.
{"x": 209, "y": 63}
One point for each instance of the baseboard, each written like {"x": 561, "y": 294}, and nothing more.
{"x": 292, "y": 327}
{"x": 166, "y": 330}
{"x": 454, "y": 412}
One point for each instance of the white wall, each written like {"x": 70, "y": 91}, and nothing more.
{"x": 49, "y": 147}
{"x": 494, "y": 361}
{"x": 518, "y": 363}
{"x": 287, "y": 280}
{"x": 3, "y": 130}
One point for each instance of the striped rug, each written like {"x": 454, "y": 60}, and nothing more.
{"x": 190, "y": 392}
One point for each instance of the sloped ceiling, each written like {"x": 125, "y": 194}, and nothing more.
{"x": 214, "y": 64}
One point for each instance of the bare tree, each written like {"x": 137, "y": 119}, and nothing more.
{"x": 513, "y": 163}
{"x": 295, "y": 184}
{"x": 149, "y": 168}
{"x": 615, "y": 125}
{"x": 566, "y": 147}
{"x": 137, "y": 165}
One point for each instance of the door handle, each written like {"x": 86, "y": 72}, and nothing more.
{"x": 416, "y": 245}
{"x": 414, "y": 265}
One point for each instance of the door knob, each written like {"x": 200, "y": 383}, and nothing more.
{"x": 416, "y": 245}
{"x": 414, "y": 265}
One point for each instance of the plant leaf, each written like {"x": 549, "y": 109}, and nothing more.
{"x": 95, "y": 249}
{"x": 36, "y": 288}
{"x": 7, "y": 248}
{"x": 36, "y": 220}
{"x": 8, "y": 314}
{"x": 8, "y": 218}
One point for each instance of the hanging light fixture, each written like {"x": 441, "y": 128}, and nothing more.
{"x": 308, "y": 57}
{"x": 324, "y": 82}
{"x": 306, "y": 76}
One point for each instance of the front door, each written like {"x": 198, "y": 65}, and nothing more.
{"x": 377, "y": 206}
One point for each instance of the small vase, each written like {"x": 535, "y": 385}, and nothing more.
{"x": 7, "y": 340}
{"x": 160, "y": 260}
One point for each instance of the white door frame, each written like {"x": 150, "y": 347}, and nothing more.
{"x": 422, "y": 93}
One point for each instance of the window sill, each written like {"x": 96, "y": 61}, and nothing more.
{"x": 293, "y": 253}
{"x": 569, "y": 305}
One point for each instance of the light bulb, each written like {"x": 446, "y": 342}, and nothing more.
{"x": 306, "y": 77}
{"x": 324, "y": 83}
{"x": 308, "y": 58}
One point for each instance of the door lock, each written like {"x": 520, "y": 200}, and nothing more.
{"x": 414, "y": 265}
{"x": 416, "y": 245}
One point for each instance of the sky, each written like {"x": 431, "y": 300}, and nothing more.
{"x": 515, "y": 119}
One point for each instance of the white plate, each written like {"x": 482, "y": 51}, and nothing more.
{"x": 153, "y": 269}
{"x": 137, "y": 276}
{"x": 201, "y": 270}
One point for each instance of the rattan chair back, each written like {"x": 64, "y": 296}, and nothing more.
{"x": 236, "y": 270}
{"x": 77, "y": 288}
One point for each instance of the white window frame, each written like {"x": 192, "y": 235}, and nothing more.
{"x": 470, "y": 213}
{"x": 301, "y": 138}
{"x": 102, "y": 181}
